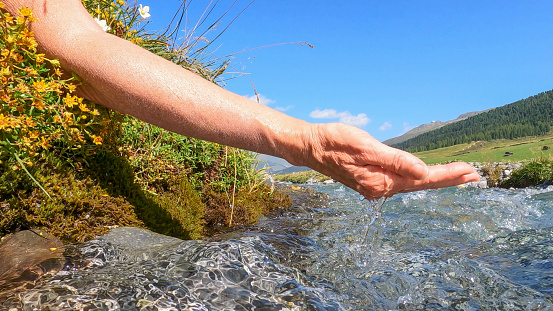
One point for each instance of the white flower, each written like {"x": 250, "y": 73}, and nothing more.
{"x": 144, "y": 11}
{"x": 102, "y": 23}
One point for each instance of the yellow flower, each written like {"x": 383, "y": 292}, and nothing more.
{"x": 27, "y": 141}
{"x": 1, "y": 5}
{"x": 39, "y": 58}
{"x": 5, "y": 122}
{"x": 95, "y": 112}
{"x": 30, "y": 43}
{"x": 30, "y": 122}
{"x": 121, "y": 2}
{"x": 68, "y": 118}
{"x": 8, "y": 18}
{"x": 55, "y": 87}
{"x": 23, "y": 88}
{"x": 97, "y": 140}
{"x": 33, "y": 135}
{"x": 10, "y": 39}
{"x": 31, "y": 72}
{"x": 5, "y": 53}
{"x": 26, "y": 33}
{"x": 26, "y": 12}
{"x": 77, "y": 135}
{"x": 40, "y": 86}
{"x": 83, "y": 107}
{"x": 71, "y": 101}
{"x": 5, "y": 71}
{"x": 71, "y": 88}
{"x": 5, "y": 97}
{"x": 18, "y": 58}
{"x": 38, "y": 104}
{"x": 44, "y": 143}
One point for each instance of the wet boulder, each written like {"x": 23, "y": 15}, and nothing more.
{"x": 26, "y": 256}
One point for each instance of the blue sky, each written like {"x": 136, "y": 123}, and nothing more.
{"x": 384, "y": 66}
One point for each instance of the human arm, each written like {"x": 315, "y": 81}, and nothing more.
{"x": 127, "y": 78}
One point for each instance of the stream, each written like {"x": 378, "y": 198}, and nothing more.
{"x": 447, "y": 249}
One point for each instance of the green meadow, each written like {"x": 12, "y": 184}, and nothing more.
{"x": 522, "y": 149}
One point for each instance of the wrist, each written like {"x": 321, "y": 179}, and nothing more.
{"x": 294, "y": 144}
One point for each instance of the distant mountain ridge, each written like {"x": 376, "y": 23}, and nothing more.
{"x": 427, "y": 127}
{"x": 532, "y": 116}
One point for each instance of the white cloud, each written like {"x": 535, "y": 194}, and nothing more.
{"x": 324, "y": 114}
{"x": 344, "y": 117}
{"x": 282, "y": 109}
{"x": 358, "y": 120}
{"x": 386, "y": 126}
{"x": 262, "y": 99}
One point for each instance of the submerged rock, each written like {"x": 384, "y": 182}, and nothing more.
{"x": 303, "y": 196}
{"x": 138, "y": 243}
{"x": 26, "y": 256}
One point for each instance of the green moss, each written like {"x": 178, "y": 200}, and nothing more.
{"x": 249, "y": 206}
{"x": 78, "y": 207}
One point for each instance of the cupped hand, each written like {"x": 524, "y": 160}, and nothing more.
{"x": 354, "y": 158}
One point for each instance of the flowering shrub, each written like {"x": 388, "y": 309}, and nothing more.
{"x": 89, "y": 160}
{"x": 38, "y": 106}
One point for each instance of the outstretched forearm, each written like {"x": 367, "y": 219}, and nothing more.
{"x": 127, "y": 78}
{"x": 120, "y": 75}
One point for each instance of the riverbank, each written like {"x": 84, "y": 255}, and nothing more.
{"x": 29, "y": 255}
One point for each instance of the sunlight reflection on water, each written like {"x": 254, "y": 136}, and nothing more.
{"x": 448, "y": 249}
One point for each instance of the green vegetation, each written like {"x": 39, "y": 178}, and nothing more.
{"x": 302, "y": 177}
{"x": 76, "y": 169}
{"x": 528, "y": 117}
{"x": 523, "y": 149}
{"x": 532, "y": 173}
{"x": 534, "y": 153}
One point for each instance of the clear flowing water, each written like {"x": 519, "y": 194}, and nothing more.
{"x": 448, "y": 249}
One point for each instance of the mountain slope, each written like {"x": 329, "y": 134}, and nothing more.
{"x": 427, "y": 127}
{"x": 532, "y": 116}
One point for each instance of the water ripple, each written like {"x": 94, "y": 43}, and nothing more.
{"x": 447, "y": 249}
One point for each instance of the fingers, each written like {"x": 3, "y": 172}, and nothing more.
{"x": 404, "y": 163}
{"x": 400, "y": 162}
{"x": 441, "y": 176}
{"x": 375, "y": 182}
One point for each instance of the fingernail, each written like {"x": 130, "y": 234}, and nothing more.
{"x": 420, "y": 171}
